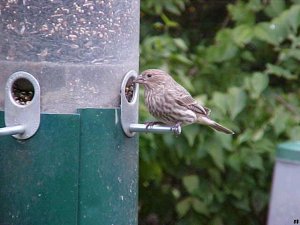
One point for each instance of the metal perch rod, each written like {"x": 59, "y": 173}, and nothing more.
{"x": 154, "y": 128}
{"x": 20, "y": 129}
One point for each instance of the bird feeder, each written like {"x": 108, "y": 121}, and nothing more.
{"x": 285, "y": 197}
{"x": 64, "y": 158}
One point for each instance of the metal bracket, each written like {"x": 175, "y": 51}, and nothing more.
{"x": 22, "y": 106}
{"x": 129, "y": 110}
{"x": 129, "y": 102}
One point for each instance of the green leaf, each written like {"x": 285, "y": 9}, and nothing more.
{"x": 191, "y": 132}
{"x": 243, "y": 204}
{"x": 215, "y": 175}
{"x": 224, "y": 49}
{"x": 171, "y": 7}
{"x": 280, "y": 72}
{"x": 199, "y": 206}
{"x": 287, "y": 53}
{"x": 220, "y": 101}
{"x": 241, "y": 13}
{"x": 217, "y": 220}
{"x": 275, "y": 7}
{"x": 181, "y": 59}
{"x": 258, "y": 134}
{"x": 158, "y": 9}
{"x": 151, "y": 171}
{"x": 242, "y": 34}
{"x": 180, "y": 44}
{"x": 245, "y": 136}
{"x": 259, "y": 200}
{"x": 293, "y": 16}
{"x": 237, "y": 100}
{"x": 181, "y": 4}
{"x": 168, "y": 22}
{"x": 255, "y": 5}
{"x": 248, "y": 56}
{"x": 176, "y": 193}
{"x": 279, "y": 120}
{"x": 224, "y": 140}
{"x": 295, "y": 41}
{"x": 259, "y": 82}
{"x": 251, "y": 158}
{"x": 186, "y": 82}
{"x": 216, "y": 152}
{"x": 191, "y": 183}
{"x": 294, "y": 133}
{"x": 183, "y": 207}
{"x": 264, "y": 146}
{"x": 234, "y": 162}
{"x": 255, "y": 161}
{"x": 289, "y": 20}
{"x": 266, "y": 32}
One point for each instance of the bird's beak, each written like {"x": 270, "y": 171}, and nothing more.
{"x": 139, "y": 80}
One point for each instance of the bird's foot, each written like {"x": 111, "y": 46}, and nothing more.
{"x": 177, "y": 128}
{"x": 152, "y": 123}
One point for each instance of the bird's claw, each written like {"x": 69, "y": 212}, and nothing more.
{"x": 151, "y": 124}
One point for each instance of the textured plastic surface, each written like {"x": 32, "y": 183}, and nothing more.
{"x": 285, "y": 197}
{"x": 96, "y": 32}
{"x": 39, "y": 176}
{"x": 79, "y": 51}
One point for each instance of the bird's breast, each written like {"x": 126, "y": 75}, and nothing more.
{"x": 154, "y": 102}
{"x": 164, "y": 107}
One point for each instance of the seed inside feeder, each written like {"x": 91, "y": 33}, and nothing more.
{"x": 22, "y": 91}
{"x": 129, "y": 90}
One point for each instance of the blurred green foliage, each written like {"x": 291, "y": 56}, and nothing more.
{"x": 241, "y": 59}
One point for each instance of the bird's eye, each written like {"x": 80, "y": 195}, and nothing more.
{"x": 149, "y": 75}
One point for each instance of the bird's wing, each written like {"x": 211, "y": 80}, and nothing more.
{"x": 184, "y": 98}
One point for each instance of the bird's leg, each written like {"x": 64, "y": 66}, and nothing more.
{"x": 177, "y": 125}
{"x": 152, "y": 123}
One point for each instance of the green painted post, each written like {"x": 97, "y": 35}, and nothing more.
{"x": 77, "y": 167}
{"x": 39, "y": 176}
{"x": 108, "y": 170}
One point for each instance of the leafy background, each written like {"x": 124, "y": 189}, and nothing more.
{"x": 241, "y": 59}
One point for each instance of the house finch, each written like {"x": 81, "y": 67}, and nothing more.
{"x": 171, "y": 103}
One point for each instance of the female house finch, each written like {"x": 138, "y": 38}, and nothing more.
{"x": 171, "y": 103}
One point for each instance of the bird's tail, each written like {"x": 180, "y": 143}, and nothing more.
{"x": 221, "y": 128}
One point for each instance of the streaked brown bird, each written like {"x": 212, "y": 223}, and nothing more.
{"x": 172, "y": 104}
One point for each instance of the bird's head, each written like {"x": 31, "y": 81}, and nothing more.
{"x": 152, "y": 78}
